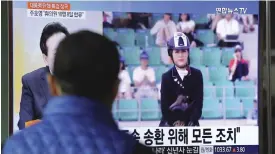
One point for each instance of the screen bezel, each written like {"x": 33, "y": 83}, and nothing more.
{"x": 261, "y": 46}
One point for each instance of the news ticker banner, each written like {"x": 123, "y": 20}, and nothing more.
{"x": 204, "y": 140}
{"x": 195, "y": 136}
{"x": 53, "y": 10}
{"x": 241, "y": 149}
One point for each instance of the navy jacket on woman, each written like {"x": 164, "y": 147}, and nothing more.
{"x": 172, "y": 86}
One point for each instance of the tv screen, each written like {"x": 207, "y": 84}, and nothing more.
{"x": 208, "y": 105}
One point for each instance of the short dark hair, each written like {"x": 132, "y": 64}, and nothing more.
{"x": 188, "y": 16}
{"x": 87, "y": 64}
{"x": 49, "y": 30}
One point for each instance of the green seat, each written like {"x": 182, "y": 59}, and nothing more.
{"x": 204, "y": 71}
{"x": 211, "y": 109}
{"x": 144, "y": 38}
{"x": 120, "y": 15}
{"x": 154, "y": 55}
{"x": 115, "y": 110}
{"x": 108, "y": 30}
{"x": 233, "y": 108}
{"x": 110, "y": 34}
{"x": 224, "y": 89}
{"x": 218, "y": 74}
{"x": 200, "y": 19}
{"x": 211, "y": 56}
{"x": 227, "y": 55}
{"x": 128, "y": 110}
{"x": 131, "y": 55}
{"x": 206, "y": 36}
{"x": 208, "y": 89}
{"x": 195, "y": 56}
{"x": 248, "y": 105}
{"x": 159, "y": 71}
{"x": 131, "y": 69}
{"x": 175, "y": 17}
{"x": 245, "y": 89}
{"x": 149, "y": 109}
{"x": 125, "y": 37}
{"x": 156, "y": 17}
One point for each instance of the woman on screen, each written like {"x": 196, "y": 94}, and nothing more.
{"x": 125, "y": 81}
{"x": 187, "y": 26}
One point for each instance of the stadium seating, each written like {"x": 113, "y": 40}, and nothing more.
{"x": 159, "y": 71}
{"x": 156, "y": 17}
{"x": 125, "y": 37}
{"x": 120, "y": 14}
{"x": 154, "y": 55}
{"x": 221, "y": 97}
{"x": 218, "y": 73}
{"x": 224, "y": 89}
{"x": 208, "y": 89}
{"x": 245, "y": 89}
{"x": 204, "y": 71}
{"x": 149, "y": 109}
{"x": 199, "y": 19}
{"x": 110, "y": 33}
{"x": 115, "y": 110}
{"x": 131, "y": 55}
{"x": 175, "y": 17}
{"x": 233, "y": 108}
{"x": 248, "y": 105}
{"x": 142, "y": 36}
{"x": 211, "y": 109}
{"x": 195, "y": 56}
{"x": 227, "y": 55}
{"x": 211, "y": 56}
{"x": 128, "y": 110}
{"x": 206, "y": 36}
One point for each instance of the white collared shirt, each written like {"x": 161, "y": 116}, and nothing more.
{"x": 182, "y": 72}
{"x": 139, "y": 74}
{"x": 159, "y": 26}
{"x": 225, "y": 27}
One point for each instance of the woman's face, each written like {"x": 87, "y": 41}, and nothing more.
{"x": 183, "y": 17}
{"x": 180, "y": 57}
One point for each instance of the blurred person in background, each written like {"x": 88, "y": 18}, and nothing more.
{"x": 238, "y": 67}
{"x": 144, "y": 78}
{"x": 187, "y": 26}
{"x": 181, "y": 87}
{"x": 78, "y": 119}
{"x": 107, "y": 19}
{"x": 248, "y": 23}
{"x": 164, "y": 29}
{"x": 35, "y": 91}
{"x": 228, "y": 26}
{"x": 124, "y": 91}
{"x": 253, "y": 114}
{"x": 214, "y": 19}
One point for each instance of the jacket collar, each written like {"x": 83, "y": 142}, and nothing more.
{"x": 44, "y": 73}
{"x": 78, "y": 106}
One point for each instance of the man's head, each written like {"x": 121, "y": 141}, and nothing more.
{"x": 228, "y": 16}
{"x": 144, "y": 59}
{"x": 238, "y": 52}
{"x": 178, "y": 49}
{"x": 86, "y": 64}
{"x": 167, "y": 17}
{"x": 51, "y": 35}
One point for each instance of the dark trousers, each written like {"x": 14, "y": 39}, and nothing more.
{"x": 221, "y": 43}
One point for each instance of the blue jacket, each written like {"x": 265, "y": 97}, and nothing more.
{"x": 34, "y": 97}
{"x": 74, "y": 125}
